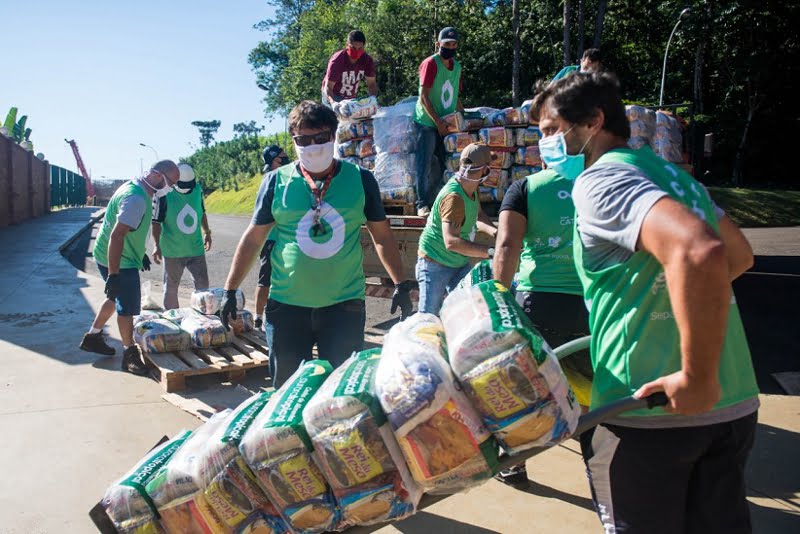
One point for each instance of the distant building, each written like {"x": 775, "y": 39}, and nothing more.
{"x": 104, "y": 189}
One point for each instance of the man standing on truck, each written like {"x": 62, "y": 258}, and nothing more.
{"x": 439, "y": 95}
{"x": 591, "y": 61}
{"x": 346, "y": 69}
{"x": 119, "y": 251}
{"x": 315, "y": 210}
{"x": 447, "y": 241}
{"x": 656, "y": 259}
{"x": 177, "y": 221}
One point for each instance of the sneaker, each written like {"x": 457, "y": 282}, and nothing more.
{"x": 259, "y": 323}
{"x": 516, "y": 476}
{"x": 424, "y": 211}
{"x": 133, "y": 361}
{"x": 96, "y": 343}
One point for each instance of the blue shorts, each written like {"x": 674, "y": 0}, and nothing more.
{"x": 129, "y": 300}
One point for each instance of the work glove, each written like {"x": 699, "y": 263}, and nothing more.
{"x": 401, "y": 298}
{"x": 146, "y": 263}
{"x": 113, "y": 288}
{"x": 228, "y": 310}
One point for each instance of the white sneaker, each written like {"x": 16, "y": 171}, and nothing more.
{"x": 424, "y": 211}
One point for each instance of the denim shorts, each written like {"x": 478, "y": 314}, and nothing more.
{"x": 129, "y": 300}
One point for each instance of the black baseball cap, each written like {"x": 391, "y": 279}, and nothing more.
{"x": 448, "y": 34}
{"x": 269, "y": 154}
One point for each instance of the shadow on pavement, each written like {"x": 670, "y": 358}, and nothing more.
{"x": 541, "y": 490}
{"x": 773, "y": 468}
{"x": 427, "y": 522}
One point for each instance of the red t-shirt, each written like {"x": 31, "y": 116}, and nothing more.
{"x": 427, "y": 72}
{"x": 346, "y": 75}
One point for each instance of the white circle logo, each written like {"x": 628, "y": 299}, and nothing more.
{"x": 321, "y": 250}
{"x": 187, "y": 213}
{"x": 447, "y": 94}
{"x": 564, "y": 195}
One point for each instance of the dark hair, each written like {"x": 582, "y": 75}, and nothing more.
{"x": 578, "y": 97}
{"x": 312, "y": 115}
{"x": 356, "y": 36}
{"x": 593, "y": 54}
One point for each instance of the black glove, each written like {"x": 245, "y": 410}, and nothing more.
{"x": 401, "y": 298}
{"x": 146, "y": 263}
{"x": 228, "y": 310}
{"x": 113, "y": 288}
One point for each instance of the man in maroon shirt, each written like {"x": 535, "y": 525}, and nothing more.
{"x": 346, "y": 69}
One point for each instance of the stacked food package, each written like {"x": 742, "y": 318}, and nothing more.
{"x": 205, "y": 331}
{"x": 160, "y": 335}
{"x": 507, "y": 369}
{"x": 527, "y": 160}
{"x": 355, "y": 448}
{"x": 354, "y": 135}
{"x": 643, "y": 125}
{"x": 395, "y": 144}
{"x": 277, "y": 448}
{"x": 444, "y": 440}
{"x": 668, "y": 140}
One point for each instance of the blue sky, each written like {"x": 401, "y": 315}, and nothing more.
{"x": 112, "y": 74}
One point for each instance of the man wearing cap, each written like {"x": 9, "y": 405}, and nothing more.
{"x": 274, "y": 157}
{"x": 177, "y": 221}
{"x": 447, "y": 241}
{"x": 346, "y": 69}
{"x": 439, "y": 90}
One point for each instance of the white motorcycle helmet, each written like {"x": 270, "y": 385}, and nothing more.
{"x": 186, "y": 182}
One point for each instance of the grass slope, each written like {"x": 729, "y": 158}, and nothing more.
{"x": 231, "y": 202}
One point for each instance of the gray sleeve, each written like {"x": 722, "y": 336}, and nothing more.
{"x": 131, "y": 211}
{"x": 611, "y": 202}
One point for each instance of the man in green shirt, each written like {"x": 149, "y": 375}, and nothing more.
{"x": 177, "y": 220}
{"x": 591, "y": 61}
{"x": 447, "y": 241}
{"x": 439, "y": 95}
{"x": 119, "y": 250}
{"x": 656, "y": 259}
{"x": 314, "y": 210}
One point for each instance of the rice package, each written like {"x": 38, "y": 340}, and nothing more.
{"x": 527, "y": 136}
{"x": 126, "y": 502}
{"x": 395, "y": 172}
{"x": 480, "y": 272}
{"x": 353, "y": 130}
{"x": 520, "y": 172}
{"x": 444, "y": 440}
{"x": 366, "y": 148}
{"x": 145, "y": 315}
{"x": 394, "y": 128}
{"x": 204, "y": 331}
{"x": 473, "y": 120}
{"x": 347, "y": 149}
{"x": 456, "y": 142}
{"x": 496, "y": 178}
{"x": 209, "y": 301}
{"x": 244, "y": 322}
{"x": 506, "y": 117}
{"x": 497, "y": 137}
{"x": 454, "y": 122}
{"x": 277, "y": 449}
{"x": 160, "y": 335}
{"x": 355, "y": 448}
{"x": 227, "y": 484}
{"x": 501, "y": 160}
{"x": 507, "y": 369}
{"x": 176, "y": 491}
{"x": 668, "y": 142}
{"x": 356, "y": 108}
{"x": 528, "y": 155}
{"x": 643, "y": 125}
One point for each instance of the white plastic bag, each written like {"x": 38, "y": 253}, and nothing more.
{"x": 395, "y": 130}
{"x": 209, "y": 301}
{"x": 149, "y": 301}
{"x": 161, "y": 335}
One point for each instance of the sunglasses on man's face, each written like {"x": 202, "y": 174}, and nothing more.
{"x": 315, "y": 139}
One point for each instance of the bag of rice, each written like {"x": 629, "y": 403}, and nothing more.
{"x": 668, "y": 140}
{"x": 160, "y": 335}
{"x": 456, "y": 142}
{"x": 356, "y": 108}
{"x": 205, "y": 331}
{"x": 209, "y": 301}
{"x": 527, "y": 136}
{"x": 473, "y": 120}
{"x": 501, "y": 160}
{"x": 145, "y": 315}
{"x": 347, "y": 149}
{"x": 528, "y": 155}
{"x": 244, "y": 322}
{"x": 454, "y": 122}
{"x": 497, "y": 137}
{"x": 520, "y": 172}
{"x": 366, "y": 148}
{"x": 480, "y": 272}
{"x": 497, "y": 178}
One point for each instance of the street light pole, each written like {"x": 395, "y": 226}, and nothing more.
{"x": 685, "y": 13}
{"x": 151, "y": 148}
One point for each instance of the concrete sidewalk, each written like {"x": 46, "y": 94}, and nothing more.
{"x": 73, "y": 422}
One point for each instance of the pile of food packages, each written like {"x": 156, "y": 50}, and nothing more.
{"x": 355, "y": 133}
{"x": 428, "y": 412}
{"x": 396, "y": 143}
{"x": 198, "y": 326}
{"x": 660, "y": 130}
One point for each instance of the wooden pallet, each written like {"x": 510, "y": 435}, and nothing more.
{"x": 399, "y": 208}
{"x": 246, "y": 351}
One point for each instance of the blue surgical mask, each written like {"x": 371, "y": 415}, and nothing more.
{"x": 553, "y": 151}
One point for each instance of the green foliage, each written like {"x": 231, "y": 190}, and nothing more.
{"x": 235, "y": 202}
{"x": 246, "y": 128}
{"x": 208, "y": 129}
{"x": 11, "y": 120}
{"x": 757, "y": 207}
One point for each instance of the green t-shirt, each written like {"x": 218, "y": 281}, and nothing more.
{"x": 431, "y": 242}
{"x": 180, "y": 216}
{"x": 134, "y": 246}
{"x": 634, "y": 335}
{"x": 444, "y": 92}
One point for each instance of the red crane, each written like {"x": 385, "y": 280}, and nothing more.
{"x": 81, "y": 167}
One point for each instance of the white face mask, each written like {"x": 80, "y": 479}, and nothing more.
{"x": 315, "y": 158}
{"x": 160, "y": 192}
{"x": 465, "y": 171}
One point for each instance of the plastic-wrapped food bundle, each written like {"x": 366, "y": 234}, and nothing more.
{"x": 126, "y": 503}
{"x": 355, "y": 448}
{"x": 480, "y": 272}
{"x": 243, "y": 323}
{"x": 206, "y": 331}
{"x": 501, "y": 160}
{"x": 209, "y": 301}
{"x": 145, "y": 315}
{"x": 456, "y": 142}
{"x": 473, "y": 120}
{"x": 506, "y": 117}
{"x": 527, "y": 136}
{"x": 528, "y": 155}
{"x": 452, "y": 162}
{"x": 396, "y": 175}
{"x": 368, "y": 163}
{"x": 175, "y": 488}
{"x": 643, "y": 125}
{"x": 366, "y": 148}
{"x": 496, "y": 178}
{"x": 395, "y": 130}
{"x": 406, "y": 194}
{"x": 454, "y": 122}
{"x": 507, "y": 369}
{"x": 445, "y": 443}
{"x": 520, "y": 172}
{"x": 668, "y": 141}
{"x": 357, "y": 108}
{"x": 347, "y": 149}
{"x": 161, "y": 335}
{"x": 497, "y": 137}
{"x": 278, "y": 450}
{"x": 353, "y": 130}
{"x": 525, "y": 112}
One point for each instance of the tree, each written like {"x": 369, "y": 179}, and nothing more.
{"x": 243, "y": 129}
{"x": 581, "y": 29}
{"x": 208, "y": 130}
{"x": 515, "y": 93}
{"x": 602, "y": 5}
{"x": 567, "y": 45}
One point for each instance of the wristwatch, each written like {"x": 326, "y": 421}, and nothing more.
{"x": 490, "y": 252}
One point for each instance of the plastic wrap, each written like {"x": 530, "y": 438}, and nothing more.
{"x": 355, "y": 448}
{"x": 454, "y": 122}
{"x": 406, "y": 194}
{"x": 209, "y": 302}
{"x": 456, "y": 142}
{"x": 161, "y": 335}
{"x": 507, "y": 369}
{"x": 496, "y": 178}
{"x": 395, "y": 174}
{"x": 348, "y": 130}
{"x": 668, "y": 141}
{"x": 368, "y": 163}
{"x": 366, "y": 148}
{"x": 244, "y": 322}
{"x": 356, "y": 108}
{"x": 643, "y": 125}
{"x": 520, "y": 172}
{"x": 126, "y": 502}
{"x": 525, "y": 112}
{"x": 529, "y": 156}
{"x": 446, "y": 445}
{"x": 277, "y": 449}
{"x": 395, "y": 129}
{"x": 145, "y": 315}
{"x": 506, "y": 117}
{"x": 347, "y": 149}
{"x": 480, "y": 272}
{"x": 527, "y": 136}
{"x": 206, "y": 331}
{"x": 473, "y": 120}
{"x": 497, "y": 137}
{"x": 501, "y": 160}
